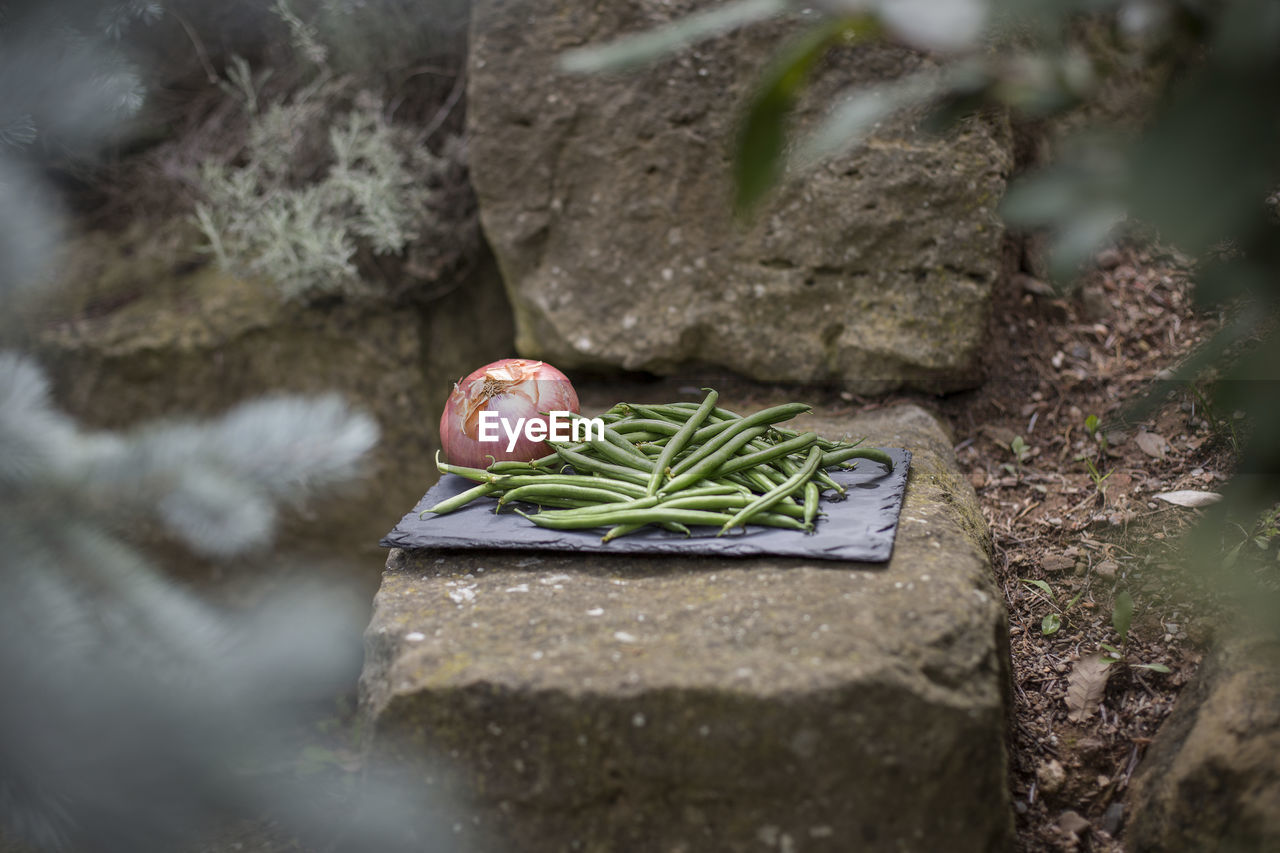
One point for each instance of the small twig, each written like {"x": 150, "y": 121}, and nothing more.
{"x": 201, "y": 53}
{"x": 442, "y": 114}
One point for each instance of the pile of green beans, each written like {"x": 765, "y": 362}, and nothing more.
{"x": 673, "y": 466}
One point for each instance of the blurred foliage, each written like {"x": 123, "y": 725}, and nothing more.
{"x": 326, "y": 185}
{"x": 1199, "y": 171}
{"x": 135, "y": 716}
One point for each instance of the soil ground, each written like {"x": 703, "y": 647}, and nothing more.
{"x": 1077, "y": 527}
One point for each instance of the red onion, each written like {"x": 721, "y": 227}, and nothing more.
{"x": 512, "y": 388}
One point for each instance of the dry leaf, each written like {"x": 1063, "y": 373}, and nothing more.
{"x": 1153, "y": 444}
{"x": 1190, "y": 497}
{"x": 1057, "y": 563}
{"x": 1085, "y": 686}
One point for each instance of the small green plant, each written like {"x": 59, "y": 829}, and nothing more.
{"x": 1052, "y": 622}
{"x": 1122, "y": 615}
{"x": 1121, "y": 621}
{"x": 1099, "y": 479}
{"x": 1092, "y": 428}
{"x": 1021, "y": 453}
{"x": 1220, "y": 425}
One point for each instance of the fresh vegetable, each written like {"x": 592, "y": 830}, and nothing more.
{"x": 511, "y": 389}
{"x": 671, "y": 466}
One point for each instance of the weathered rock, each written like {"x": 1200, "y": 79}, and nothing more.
{"x": 600, "y": 703}
{"x": 607, "y": 202}
{"x": 133, "y": 338}
{"x": 1211, "y": 779}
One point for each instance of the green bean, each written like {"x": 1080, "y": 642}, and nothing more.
{"x": 459, "y": 500}
{"x": 824, "y": 443}
{"x": 508, "y": 466}
{"x": 812, "y": 494}
{"x": 623, "y": 529}
{"x": 736, "y": 501}
{"x": 558, "y": 503}
{"x": 705, "y": 492}
{"x": 718, "y": 414}
{"x": 829, "y": 483}
{"x": 584, "y": 464}
{"x": 610, "y": 452}
{"x": 585, "y": 492}
{"x": 751, "y": 460}
{"x": 556, "y": 521}
{"x": 645, "y": 437}
{"x": 790, "y": 467}
{"x": 759, "y": 420}
{"x": 646, "y": 425}
{"x": 679, "y": 440}
{"x": 478, "y": 474}
{"x": 514, "y": 481}
{"x": 767, "y": 500}
{"x": 835, "y": 457}
{"x": 701, "y": 464}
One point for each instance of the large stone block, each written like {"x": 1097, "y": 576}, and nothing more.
{"x": 1211, "y": 780}
{"x": 607, "y": 201}
{"x": 597, "y": 703}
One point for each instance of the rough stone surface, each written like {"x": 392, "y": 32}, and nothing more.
{"x": 1211, "y": 779}
{"x": 599, "y": 703}
{"x": 130, "y": 338}
{"x": 607, "y": 202}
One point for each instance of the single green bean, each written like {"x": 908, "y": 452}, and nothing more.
{"x": 585, "y": 492}
{"x": 736, "y": 501}
{"x": 789, "y": 466}
{"x": 459, "y": 500}
{"x": 812, "y": 494}
{"x": 584, "y": 464}
{"x": 654, "y": 514}
{"x": 679, "y": 440}
{"x": 510, "y": 466}
{"x": 646, "y": 425}
{"x": 824, "y": 443}
{"x": 835, "y": 457}
{"x": 751, "y": 460}
{"x": 718, "y": 414}
{"x": 634, "y": 458}
{"x": 514, "y": 481}
{"x": 623, "y": 529}
{"x": 765, "y": 501}
{"x": 705, "y": 492}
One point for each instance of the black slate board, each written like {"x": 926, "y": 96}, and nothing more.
{"x": 861, "y": 527}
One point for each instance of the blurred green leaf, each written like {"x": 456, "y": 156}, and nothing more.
{"x": 851, "y": 121}
{"x": 1154, "y": 667}
{"x": 631, "y": 51}
{"x": 1048, "y": 590}
{"x": 762, "y": 137}
{"x": 1122, "y": 615}
{"x": 1043, "y": 199}
{"x": 1081, "y": 237}
{"x": 1050, "y": 624}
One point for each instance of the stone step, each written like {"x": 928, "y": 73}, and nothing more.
{"x": 614, "y": 703}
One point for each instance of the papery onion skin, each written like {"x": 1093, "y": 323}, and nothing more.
{"x": 514, "y": 388}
